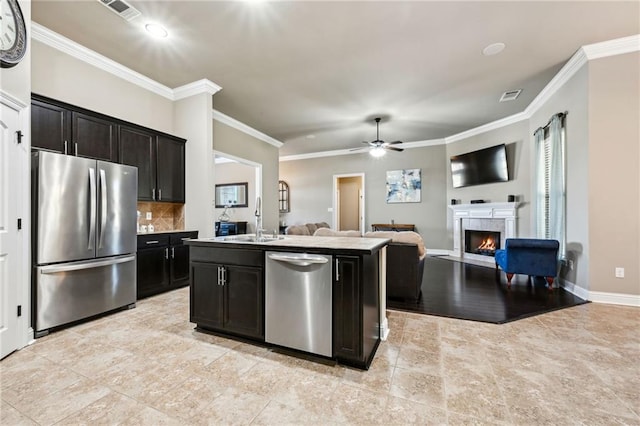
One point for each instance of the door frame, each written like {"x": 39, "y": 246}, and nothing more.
{"x": 244, "y": 161}
{"x": 336, "y": 200}
{"x": 20, "y": 191}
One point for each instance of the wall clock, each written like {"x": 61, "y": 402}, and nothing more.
{"x": 13, "y": 33}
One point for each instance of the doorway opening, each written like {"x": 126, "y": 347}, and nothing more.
{"x": 348, "y": 202}
{"x": 229, "y": 169}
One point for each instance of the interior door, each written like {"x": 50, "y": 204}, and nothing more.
{"x": 10, "y": 261}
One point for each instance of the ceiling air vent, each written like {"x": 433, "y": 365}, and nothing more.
{"x": 510, "y": 95}
{"x": 122, "y": 9}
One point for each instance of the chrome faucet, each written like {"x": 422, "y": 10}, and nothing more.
{"x": 258, "y": 214}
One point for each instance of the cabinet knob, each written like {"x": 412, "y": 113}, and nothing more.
{"x": 173, "y": 252}
{"x": 166, "y": 253}
{"x": 159, "y": 194}
{"x": 337, "y": 270}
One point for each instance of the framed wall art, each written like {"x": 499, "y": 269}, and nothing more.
{"x": 404, "y": 186}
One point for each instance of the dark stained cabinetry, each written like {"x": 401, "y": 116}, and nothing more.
{"x": 93, "y": 137}
{"x": 56, "y": 127}
{"x": 356, "y": 330}
{"x": 170, "y": 169}
{"x": 162, "y": 262}
{"x": 160, "y": 158}
{"x": 50, "y": 127}
{"x": 160, "y": 162}
{"x": 227, "y": 291}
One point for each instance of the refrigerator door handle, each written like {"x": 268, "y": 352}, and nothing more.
{"x": 103, "y": 206}
{"x": 92, "y": 207}
{"x": 54, "y": 269}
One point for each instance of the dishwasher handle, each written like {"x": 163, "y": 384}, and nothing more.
{"x": 298, "y": 260}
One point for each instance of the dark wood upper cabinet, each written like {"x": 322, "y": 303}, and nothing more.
{"x": 50, "y": 126}
{"x": 93, "y": 137}
{"x": 60, "y": 127}
{"x": 170, "y": 169}
{"x": 137, "y": 148}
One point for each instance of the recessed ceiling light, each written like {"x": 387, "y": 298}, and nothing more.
{"x": 156, "y": 30}
{"x": 493, "y": 49}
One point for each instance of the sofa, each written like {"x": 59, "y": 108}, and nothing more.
{"x": 405, "y": 263}
{"x": 306, "y": 229}
{"x": 405, "y": 259}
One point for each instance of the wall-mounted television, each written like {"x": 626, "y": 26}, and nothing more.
{"x": 486, "y": 165}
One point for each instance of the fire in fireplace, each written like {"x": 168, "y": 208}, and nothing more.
{"x": 481, "y": 242}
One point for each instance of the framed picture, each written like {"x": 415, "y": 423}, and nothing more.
{"x": 231, "y": 195}
{"x": 404, "y": 186}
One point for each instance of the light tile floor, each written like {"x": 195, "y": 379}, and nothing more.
{"x": 148, "y": 366}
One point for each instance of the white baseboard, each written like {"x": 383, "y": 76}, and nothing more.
{"x": 439, "y": 252}
{"x": 384, "y": 329}
{"x": 581, "y": 292}
{"x": 615, "y": 298}
{"x": 601, "y": 296}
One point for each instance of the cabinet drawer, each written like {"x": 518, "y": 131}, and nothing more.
{"x": 179, "y": 237}
{"x": 228, "y": 256}
{"x": 152, "y": 240}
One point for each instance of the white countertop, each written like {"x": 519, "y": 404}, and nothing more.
{"x": 301, "y": 242}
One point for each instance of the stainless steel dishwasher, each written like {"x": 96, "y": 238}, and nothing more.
{"x": 298, "y": 301}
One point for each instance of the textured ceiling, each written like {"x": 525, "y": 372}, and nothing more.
{"x": 294, "y": 69}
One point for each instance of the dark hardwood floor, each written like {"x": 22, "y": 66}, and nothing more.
{"x": 460, "y": 290}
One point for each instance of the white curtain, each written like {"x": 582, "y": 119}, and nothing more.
{"x": 542, "y": 204}
{"x": 557, "y": 205}
{"x": 551, "y": 184}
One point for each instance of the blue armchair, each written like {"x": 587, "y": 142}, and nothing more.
{"x": 527, "y": 256}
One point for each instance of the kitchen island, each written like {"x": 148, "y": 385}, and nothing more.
{"x": 233, "y": 282}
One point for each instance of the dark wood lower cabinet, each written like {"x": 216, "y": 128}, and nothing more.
{"x": 228, "y": 298}
{"x": 356, "y": 326}
{"x": 162, "y": 262}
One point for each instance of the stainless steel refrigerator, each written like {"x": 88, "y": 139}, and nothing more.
{"x": 84, "y": 238}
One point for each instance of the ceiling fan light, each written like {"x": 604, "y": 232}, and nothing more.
{"x": 377, "y": 152}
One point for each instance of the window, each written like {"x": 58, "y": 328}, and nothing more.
{"x": 283, "y": 197}
{"x": 550, "y": 181}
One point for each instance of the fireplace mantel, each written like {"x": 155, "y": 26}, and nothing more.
{"x": 500, "y": 211}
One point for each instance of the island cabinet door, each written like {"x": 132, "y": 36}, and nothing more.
{"x": 347, "y": 314}
{"x": 244, "y": 301}
{"x": 207, "y": 295}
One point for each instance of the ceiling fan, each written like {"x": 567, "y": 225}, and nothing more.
{"x": 378, "y": 147}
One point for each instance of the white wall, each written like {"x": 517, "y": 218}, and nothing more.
{"x": 227, "y": 140}
{"x": 516, "y": 138}
{"x": 572, "y": 98}
{"x": 63, "y": 77}
{"x": 237, "y": 173}
{"x": 193, "y": 122}
{"x": 311, "y": 184}
{"x": 614, "y": 175}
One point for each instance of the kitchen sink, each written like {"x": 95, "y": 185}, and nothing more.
{"x": 248, "y": 238}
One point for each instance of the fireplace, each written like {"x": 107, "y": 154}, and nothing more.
{"x": 484, "y": 243}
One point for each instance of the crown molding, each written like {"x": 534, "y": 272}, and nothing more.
{"x": 232, "y": 122}
{"x": 71, "y": 48}
{"x": 578, "y": 60}
{"x": 515, "y": 118}
{"x": 619, "y": 46}
{"x": 196, "y": 88}
{"x": 338, "y": 152}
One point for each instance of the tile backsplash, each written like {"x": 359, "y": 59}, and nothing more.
{"x": 164, "y": 216}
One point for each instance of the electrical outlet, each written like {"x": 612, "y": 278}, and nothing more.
{"x": 148, "y": 216}
{"x": 619, "y": 272}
